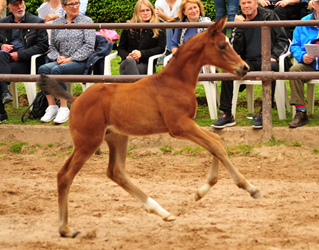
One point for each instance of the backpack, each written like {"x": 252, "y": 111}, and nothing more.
{"x": 39, "y": 105}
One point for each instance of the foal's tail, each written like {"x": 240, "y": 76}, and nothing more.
{"x": 48, "y": 84}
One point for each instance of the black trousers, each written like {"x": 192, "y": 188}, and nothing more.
{"x": 289, "y": 12}
{"x": 226, "y": 95}
{"x": 10, "y": 67}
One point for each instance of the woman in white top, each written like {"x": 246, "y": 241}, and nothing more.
{"x": 167, "y": 10}
{"x": 55, "y": 10}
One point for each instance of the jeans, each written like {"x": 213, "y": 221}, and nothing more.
{"x": 221, "y": 11}
{"x": 71, "y": 68}
{"x": 169, "y": 36}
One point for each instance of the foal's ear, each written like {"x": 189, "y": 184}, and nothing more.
{"x": 218, "y": 25}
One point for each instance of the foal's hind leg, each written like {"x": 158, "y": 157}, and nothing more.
{"x": 116, "y": 171}
{"x": 65, "y": 177}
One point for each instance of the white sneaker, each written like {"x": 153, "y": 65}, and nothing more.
{"x": 50, "y": 113}
{"x": 62, "y": 116}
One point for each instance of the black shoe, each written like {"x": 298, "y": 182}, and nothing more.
{"x": 299, "y": 120}
{"x": 258, "y": 120}
{"x": 6, "y": 98}
{"x": 224, "y": 121}
{"x": 3, "y": 117}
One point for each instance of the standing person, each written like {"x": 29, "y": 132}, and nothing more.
{"x": 167, "y": 10}
{"x": 56, "y": 9}
{"x": 69, "y": 51}
{"x": 56, "y": 12}
{"x": 138, "y": 45}
{"x": 222, "y": 10}
{"x": 247, "y": 43}
{"x": 303, "y": 35}
{"x": 83, "y": 6}
{"x": 3, "y": 9}
{"x": 189, "y": 11}
{"x": 17, "y": 47}
{"x": 287, "y": 10}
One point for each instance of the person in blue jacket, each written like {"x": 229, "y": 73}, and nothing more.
{"x": 303, "y": 35}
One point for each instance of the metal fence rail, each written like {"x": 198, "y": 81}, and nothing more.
{"x": 265, "y": 75}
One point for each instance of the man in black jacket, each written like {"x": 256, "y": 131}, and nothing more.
{"x": 17, "y": 46}
{"x": 247, "y": 43}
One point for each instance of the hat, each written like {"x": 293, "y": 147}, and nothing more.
{"x": 11, "y": 1}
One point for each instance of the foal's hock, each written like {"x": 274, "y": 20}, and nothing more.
{"x": 162, "y": 103}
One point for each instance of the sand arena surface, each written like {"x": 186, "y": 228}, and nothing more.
{"x": 109, "y": 218}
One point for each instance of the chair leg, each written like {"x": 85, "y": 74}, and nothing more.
{"x": 311, "y": 98}
{"x": 280, "y": 99}
{"x": 250, "y": 98}
{"x": 31, "y": 89}
{"x": 235, "y": 97}
{"x": 211, "y": 99}
{"x": 287, "y": 100}
{"x": 69, "y": 86}
{"x": 13, "y": 88}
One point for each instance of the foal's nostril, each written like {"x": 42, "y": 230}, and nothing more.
{"x": 246, "y": 68}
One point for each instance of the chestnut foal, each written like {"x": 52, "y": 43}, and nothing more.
{"x": 162, "y": 103}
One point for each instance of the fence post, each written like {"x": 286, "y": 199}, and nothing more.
{"x": 266, "y": 85}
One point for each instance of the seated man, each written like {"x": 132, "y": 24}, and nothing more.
{"x": 287, "y": 10}
{"x": 247, "y": 43}
{"x": 303, "y": 35}
{"x": 17, "y": 47}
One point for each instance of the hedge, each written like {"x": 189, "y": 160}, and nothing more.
{"x": 107, "y": 11}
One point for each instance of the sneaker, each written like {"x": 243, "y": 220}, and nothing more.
{"x": 258, "y": 120}
{"x": 62, "y": 116}
{"x": 6, "y": 98}
{"x": 224, "y": 121}
{"x": 299, "y": 120}
{"x": 50, "y": 113}
{"x": 3, "y": 117}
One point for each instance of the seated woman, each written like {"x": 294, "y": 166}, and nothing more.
{"x": 68, "y": 52}
{"x": 189, "y": 11}
{"x": 138, "y": 45}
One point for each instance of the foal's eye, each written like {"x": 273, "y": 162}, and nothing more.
{"x": 222, "y": 46}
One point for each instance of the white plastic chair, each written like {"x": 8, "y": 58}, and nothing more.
{"x": 281, "y": 94}
{"x": 211, "y": 89}
{"x": 30, "y": 87}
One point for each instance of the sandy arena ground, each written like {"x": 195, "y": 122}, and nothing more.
{"x": 109, "y": 218}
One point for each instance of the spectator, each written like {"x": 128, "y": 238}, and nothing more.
{"x": 168, "y": 10}
{"x": 287, "y": 10}
{"x": 69, "y": 51}
{"x": 138, "y": 45}
{"x": 17, "y": 47}
{"x": 56, "y": 12}
{"x": 3, "y": 9}
{"x": 222, "y": 10}
{"x": 247, "y": 43}
{"x": 303, "y": 35}
{"x": 83, "y": 6}
{"x": 189, "y": 11}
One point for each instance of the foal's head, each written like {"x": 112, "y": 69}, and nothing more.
{"x": 220, "y": 53}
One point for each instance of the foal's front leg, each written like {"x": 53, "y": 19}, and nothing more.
{"x": 211, "y": 180}
{"x": 116, "y": 171}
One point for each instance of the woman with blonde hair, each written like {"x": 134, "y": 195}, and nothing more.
{"x": 189, "y": 11}
{"x": 138, "y": 45}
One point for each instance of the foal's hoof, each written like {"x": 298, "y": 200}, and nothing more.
{"x": 169, "y": 218}
{"x": 71, "y": 235}
{"x": 256, "y": 194}
{"x": 197, "y": 196}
